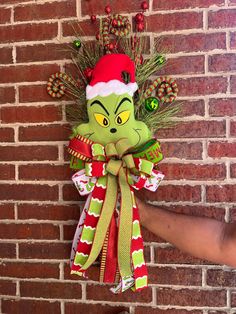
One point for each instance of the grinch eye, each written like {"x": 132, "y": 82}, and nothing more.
{"x": 122, "y": 117}
{"x": 102, "y": 120}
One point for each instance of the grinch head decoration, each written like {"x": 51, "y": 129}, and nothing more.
{"x": 110, "y": 103}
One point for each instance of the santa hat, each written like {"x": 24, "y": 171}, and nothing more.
{"x": 107, "y": 76}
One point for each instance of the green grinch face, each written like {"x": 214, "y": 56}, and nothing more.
{"x": 112, "y": 118}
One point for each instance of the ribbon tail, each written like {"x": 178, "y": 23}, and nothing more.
{"x": 104, "y": 221}
{"x": 125, "y": 227}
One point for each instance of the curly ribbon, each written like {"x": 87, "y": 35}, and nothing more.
{"x": 122, "y": 28}
{"x": 113, "y": 175}
{"x": 167, "y": 89}
{"x": 56, "y": 86}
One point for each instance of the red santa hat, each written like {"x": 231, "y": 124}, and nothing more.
{"x": 107, "y": 76}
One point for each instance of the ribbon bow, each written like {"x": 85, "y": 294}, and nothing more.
{"x": 115, "y": 167}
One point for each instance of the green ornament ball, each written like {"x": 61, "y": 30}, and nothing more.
{"x": 77, "y": 43}
{"x": 151, "y": 104}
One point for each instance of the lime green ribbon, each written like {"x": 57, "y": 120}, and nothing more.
{"x": 117, "y": 167}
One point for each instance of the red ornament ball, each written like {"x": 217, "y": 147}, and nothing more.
{"x": 139, "y": 17}
{"x": 144, "y": 5}
{"x": 114, "y": 23}
{"x": 140, "y": 27}
{"x": 107, "y": 9}
{"x": 88, "y": 73}
{"x": 111, "y": 46}
{"x": 93, "y": 18}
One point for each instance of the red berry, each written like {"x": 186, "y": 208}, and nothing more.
{"x": 93, "y": 18}
{"x": 111, "y": 46}
{"x": 114, "y": 23}
{"x": 140, "y": 27}
{"x": 88, "y": 73}
{"x": 107, "y": 9}
{"x": 139, "y": 18}
{"x": 144, "y": 5}
{"x": 98, "y": 36}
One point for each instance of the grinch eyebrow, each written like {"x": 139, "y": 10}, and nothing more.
{"x": 100, "y": 104}
{"x": 121, "y": 102}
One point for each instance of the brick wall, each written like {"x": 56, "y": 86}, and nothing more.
{"x": 39, "y": 206}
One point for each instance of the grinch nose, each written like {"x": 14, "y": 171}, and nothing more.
{"x": 113, "y": 130}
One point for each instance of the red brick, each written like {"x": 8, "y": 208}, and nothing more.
{"x": 29, "y": 73}
{"x": 232, "y": 214}
{"x": 92, "y": 273}
{"x": 29, "y": 153}
{"x": 233, "y": 299}
{"x": 24, "y": 114}
{"x": 12, "y": 1}
{"x": 73, "y": 28}
{"x": 175, "y": 276}
{"x": 222, "y": 193}
{"x": 233, "y": 170}
{"x": 222, "y": 18}
{"x": 173, "y": 21}
{"x": 28, "y": 32}
{"x": 7, "y": 95}
{"x": 28, "y": 192}
{"x": 177, "y": 171}
{"x": 221, "y": 278}
{"x": 233, "y": 84}
{"x": 193, "y": 42}
{"x": 7, "y": 250}
{"x": 232, "y": 40}
{"x": 33, "y": 93}
{"x": 233, "y": 128}
{"x": 5, "y": 15}
{"x": 121, "y": 6}
{"x": 44, "y": 172}
{"x": 194, "y": 129}
{"x": 170, "y": 255}
{"x": 184, "y": 65}
{"x": 52, "y": 290}
{"x": 222, "y": 63}
{"x": 182, "y": 150}
{"x": 176, "y": 193}
{"x": 6, "y": 55}
{"x": 96, "y": 292}
{"x": 29, "y": 231}
{"x": 202, "y": 86}
{"x": 54, "y": 132}
{"x": 7, "y": 172}
{"x": 151, "y": 237}
{"x": 29, "y": 270}
{"x": 184, "y": 4}
{"x": 191, "y": 297}
{"x": 49, "y": 212}
{"x": 72, "y": 308}
{"x": 222, "y": 107}
{"x": 221, "y": 149}
{"x": 30, "y": 306}
{"x": 7, "y": 287}
{"x": 70, "y": 193}
{"x": 7, "y": 135}
{"x": 6, "y": 211}
{"x": 192, "y": 107}
{"x": 45, "y": 11}
{"x": 42, "y": 52}
{"x": 69, "y": 231}
{"x": 151, "y": 310}
{"x": 44, "y": 251}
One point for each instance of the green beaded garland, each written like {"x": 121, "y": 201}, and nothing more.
{"x": 151, "y": 104}
{"x": 77, "y": 43}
